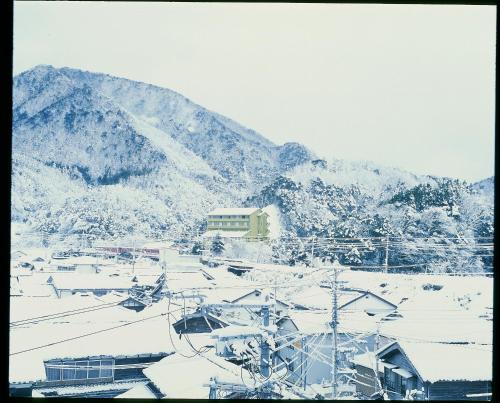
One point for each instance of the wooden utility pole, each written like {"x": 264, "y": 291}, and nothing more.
{"x": 386, "y": 264}
{"x": 334, "y": 332}
{"x": 312, "y": 250}
{"x": 377, "y": 346}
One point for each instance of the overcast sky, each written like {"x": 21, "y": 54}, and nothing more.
{"x": 404, "y": 86}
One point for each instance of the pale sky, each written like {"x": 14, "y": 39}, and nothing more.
{"x": 405, "y": 86}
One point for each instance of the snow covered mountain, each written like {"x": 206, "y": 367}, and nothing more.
{"x": 82, "y": 141}
{"x": 110, "y": 157}
{"x": 441, "y": 223}
{"x": 235, "y": 152}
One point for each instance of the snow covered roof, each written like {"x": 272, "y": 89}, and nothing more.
{"x": 225, "y": 234}
{"x": 23, "y": 308}
{"x": 233, "y": 211}
{"x": 15, "y": 289}
{"x": 80, "y": 281}
{"x": 234, "y": 330}
{"x": 81, "y": 390}
{"x": 366, "y": 360}
{"x": 315, "y": 297}
{"x": 186, "y": 281}
{"x": 351, "y": 297}
{"x": 192, "y": 374}
{"x": 147, "y": 337}
{"x": 257, "y": 296}
{"x": 311, "y": 322}
{"x": 141, "y": 391}
{"x": 83, "y": 260}
{"x": 35, "y": 285}
{"x": 436, "y": 362}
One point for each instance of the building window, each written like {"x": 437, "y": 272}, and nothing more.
{"x": 106, "y": 368}
{"x": 82, "y": 368}
{"x": 94, "y": 370}
{"x": 69, "y": 370}
{"x": 220, "y": 224}
{"x": 78, "y": 370}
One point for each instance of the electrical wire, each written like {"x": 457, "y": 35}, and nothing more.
{"x": 21, "y": 321}
{"x": 88, "y": 334}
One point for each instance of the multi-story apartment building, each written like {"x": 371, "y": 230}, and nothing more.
{"x": 248, "y": 223}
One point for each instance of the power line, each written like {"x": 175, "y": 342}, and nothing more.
{"x": 89, "y": 334}
{"x": 62, "y": 314}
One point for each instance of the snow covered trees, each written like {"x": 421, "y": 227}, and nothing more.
{"x": 217, "y": 247}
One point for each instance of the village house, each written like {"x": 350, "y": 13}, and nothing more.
{"x": 306, "y": 342}
{"x": 436, "y": 371}
{"x": 107, "y": 362}
{"x": 245, "y": 223}
{"x": 199, "y": 321}
{"x": 67, "y": 284}
{"x": 199, "y": 370}
{"x": 349, "y": 300}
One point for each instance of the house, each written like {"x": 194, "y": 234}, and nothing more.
{"x": 26, "y": 265}
{"x": 99, "y": 284}
{"x": 349, "y": 300}
{"x": 306, "y": 342}
{"x": 438, "y": 371}
{"x": 199, "y": 322}
{"x": 17, "y": 254}
{"x": 238, "y": 344}
{"x": 247, "y": 223}
{"x": 242, "y": 315}
{"x": 198, "y": 369}
{"x": 145, "y": 390}
{"x": 369, "y": 378}
{"x": 368, "y": 302}
{"x": 135, "y": 303}
{"x": 106, "y": 362}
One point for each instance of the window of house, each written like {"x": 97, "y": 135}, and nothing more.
{"x": 53, "y": 374}
{"x": 69, "y": 370}
{"x": 81, "y": 369}
{"x": 106, "y": 368}
{"x": 220, "y": 224}
{"x": 78, "y": 370}
{"x": 94, "y": 370}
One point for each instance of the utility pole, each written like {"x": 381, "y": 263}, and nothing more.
{"x": 213, "y": 390}
{"x": 133, "y": 256}
{"x": 386, "y": 264}
{"x": 265, "y": 354}
{"x": 312, "y": 250}
{"x": 377, "y": 345}
{"x": 334, "y": 331}
{"x": 265, "y": 350}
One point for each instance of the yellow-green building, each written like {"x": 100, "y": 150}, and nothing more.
{"x": 248, "y": 223}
